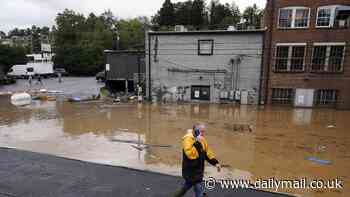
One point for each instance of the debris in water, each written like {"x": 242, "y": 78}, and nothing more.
{"x": 139, "y": 148}
{"x": 21, "y": 99}
{"x": 80, "y": 99}
{"x": 330, "y": 126}
{"x": 43, "y": 91}
{"x": 143, "y": 144}
{"x": 319, "y": 161}
{"x": 241, "y": 127}
{"x": 321, "y": 148}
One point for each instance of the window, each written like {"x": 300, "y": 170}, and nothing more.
{"x": 205, "y": 47}
{"x": 301, "y": 18}
{"x": 286, "y": 17}
{"x": 319, "y": 58}
{"x": 337, "y": 16}
{"x": 282, "y": 96}
{"x": 294, "y": 17}
{"x": 282, "y": 58}
{"x": 326, "y": 97}
{"x": 328, "y": 57}
{"x": 290, "y": 58}
{"x": 297, "y": 60}
{"x": 324, "y": 17}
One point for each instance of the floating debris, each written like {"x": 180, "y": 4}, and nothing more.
{"x": 75, "y": 99}
{"x": 319, "y": 161}
{"x": 241, "y": 127}
{"x": 331, "y": 126}
{"x": 139, "y": 148}
{"x": 21, "y": 99}
{"x": 143, "y": 144}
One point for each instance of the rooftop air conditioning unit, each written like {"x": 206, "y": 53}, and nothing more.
{"x": 180, "y": 28}
{"x": 231, "y": 28}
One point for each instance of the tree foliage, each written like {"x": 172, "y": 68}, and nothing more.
{"x": 80, "y": 41}
{"x": 195, "y": 14}
{"x": 10, "y": 56}
{"x": 253, "y": 16}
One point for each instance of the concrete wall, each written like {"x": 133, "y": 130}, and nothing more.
{"x": 180, "y": 51}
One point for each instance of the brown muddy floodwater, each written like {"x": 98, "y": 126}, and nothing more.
{"x": 275, "y": 145}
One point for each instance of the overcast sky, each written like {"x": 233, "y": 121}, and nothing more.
{"x": 25, "y": 13}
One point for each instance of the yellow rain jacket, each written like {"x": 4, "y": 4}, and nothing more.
{"x": 195, "y": 153}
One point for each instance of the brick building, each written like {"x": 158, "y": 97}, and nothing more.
{"x": 307, "y": 58}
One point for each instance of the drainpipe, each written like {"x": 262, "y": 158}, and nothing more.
{"x": 269, "y": 31}
{"x": 262, "y": 69}
{"x": 149, "y": 69}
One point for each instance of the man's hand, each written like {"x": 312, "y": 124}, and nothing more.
{"x": 218, "y": 167}
{"x": 198, "y": 146}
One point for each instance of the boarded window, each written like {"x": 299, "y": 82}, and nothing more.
{"x": 205, "y": 47}
{"x": 282, "y": 95}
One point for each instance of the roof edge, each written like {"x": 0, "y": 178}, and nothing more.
{"x": 257, "y": 31}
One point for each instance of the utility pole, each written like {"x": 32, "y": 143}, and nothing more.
{"x": 232, "y": 73}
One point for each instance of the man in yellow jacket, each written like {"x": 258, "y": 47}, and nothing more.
{"x": 195, "y": 152}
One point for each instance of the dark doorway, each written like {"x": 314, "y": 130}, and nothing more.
{"x": 116, "y": 86}
{"x": 131, "y": 86}
{"x": 200, "y": 93}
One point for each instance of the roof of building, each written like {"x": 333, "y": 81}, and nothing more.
{"x": 125, "y": 51}
{"x": 258, "y": 31}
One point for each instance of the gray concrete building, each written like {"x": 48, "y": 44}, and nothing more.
{"x": 210, "y": 66}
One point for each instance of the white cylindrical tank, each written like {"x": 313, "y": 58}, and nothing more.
{"x": 20, "y": 99}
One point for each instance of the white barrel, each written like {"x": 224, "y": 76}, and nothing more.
{"x": 20, "y": 99}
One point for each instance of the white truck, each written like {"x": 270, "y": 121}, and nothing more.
{"x": 38, "y": 64}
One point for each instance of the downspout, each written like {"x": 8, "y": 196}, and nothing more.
{"x": 149, "y": 69}
{"x": 262, "y": 69}
{"x": 271, "y": 20}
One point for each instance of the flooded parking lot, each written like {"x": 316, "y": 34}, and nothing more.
{"x": 254, "y": 142}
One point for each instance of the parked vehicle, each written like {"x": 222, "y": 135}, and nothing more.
{"x": 38, "y": 64}
{"x": 60, "y": 70}
{"x": 101, "y": 76}
{"x": 19, "y": 71}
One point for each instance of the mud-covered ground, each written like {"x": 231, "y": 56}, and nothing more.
{"x": 253, "y": 142}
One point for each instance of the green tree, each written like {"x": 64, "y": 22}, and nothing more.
{"x": 80, "y": 42}
{"x": 198, "y": 13}
{"x": 183, "y": 12}
{"x": 10, "y": 56}
{"x": 36, "y": 42}
{"x": 166, "y": 14}
{"x": 253, "y": 16}
{"x": 2, "y": 34}
{"x": 131, "y": 33}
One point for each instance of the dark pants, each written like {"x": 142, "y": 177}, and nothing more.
{"x": 197, "y": 187}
